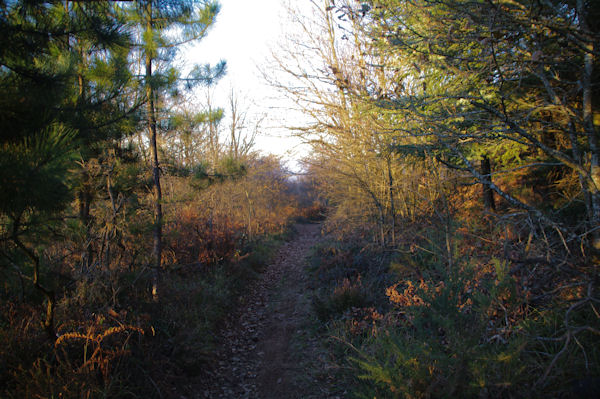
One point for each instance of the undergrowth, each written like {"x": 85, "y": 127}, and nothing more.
{"x": 498, "y": 317}
{"x": 127, "y": 346}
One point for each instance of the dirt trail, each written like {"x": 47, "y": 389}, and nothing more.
{"x": 267, "y": 350}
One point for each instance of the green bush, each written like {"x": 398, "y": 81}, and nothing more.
{"x": 469, "y": 335}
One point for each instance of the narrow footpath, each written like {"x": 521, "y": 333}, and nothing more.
{"x": 267, "y": 350}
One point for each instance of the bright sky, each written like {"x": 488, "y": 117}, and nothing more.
{"x": 243, "y": 35}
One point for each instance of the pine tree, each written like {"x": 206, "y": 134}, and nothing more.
{"x": 63, "y": 78}
{"x": 36, "y": 147}
{"x": 164, "y": 26}
{"x": 103, "y": 103}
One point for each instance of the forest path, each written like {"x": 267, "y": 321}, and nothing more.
{"x": 267, "y": 350}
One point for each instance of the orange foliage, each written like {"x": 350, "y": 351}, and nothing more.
{"x": 213, "y": 224}
{"x": 102, "y": 347}
{"x": 316, "y": 211}
{"x": 363, "y": 320}
{"x": 410, "y": 297}
{"x": 193, "y": 236}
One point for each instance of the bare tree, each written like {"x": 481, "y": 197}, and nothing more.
{"x": 241, "y": 136}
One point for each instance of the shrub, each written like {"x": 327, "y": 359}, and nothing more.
{"x": 469, "y": 334}
{"x": 439, "y": 344}
{"x": 344, "y": 297}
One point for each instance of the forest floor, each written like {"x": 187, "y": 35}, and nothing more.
{"x": 268, "y": 348}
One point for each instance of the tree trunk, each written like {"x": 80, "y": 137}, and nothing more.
{"x": 381, "y": 224}
{"x": 48, "y": 323}
{"x": 391, "y": 194}
{"x": 249, "y": 216}
{"x": 588, "y": 122}
{"x": 587, "y": 198}
{"x": 488, "y": 193}
{"x": 157, "y": 229}
{"x": 84, "y": 198}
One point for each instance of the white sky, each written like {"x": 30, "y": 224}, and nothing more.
{"x": 243, "y": 35}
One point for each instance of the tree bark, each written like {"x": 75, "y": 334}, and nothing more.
{"x": 84, "y": 198}
{"x": 48, "y": 323}
{"x": 391, "y": 194}
{"x": 588, "y": 121}
{"x": 488, "y": 193}
{"x": 157, "y": 229}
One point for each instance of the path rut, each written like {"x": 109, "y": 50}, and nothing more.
{"x": 267, "y": 350}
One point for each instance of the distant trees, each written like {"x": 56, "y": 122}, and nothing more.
{"x": 330, "y": 70}
{"x": 241, "y": 135}
{"x": 187, "y": 137}
{"x": 211, "y": 138}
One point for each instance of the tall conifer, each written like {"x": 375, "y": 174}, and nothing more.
{"x": 164, "y": 26}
